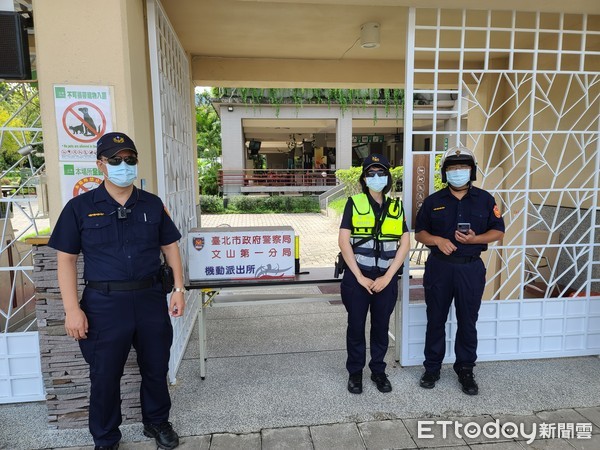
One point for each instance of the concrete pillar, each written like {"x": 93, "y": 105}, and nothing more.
{"x": 233, "y": 146}
{"x": 343, "y": 142}
{"x": 83, "y": 42}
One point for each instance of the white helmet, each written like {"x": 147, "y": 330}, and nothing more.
{"x": 458, "y": 155}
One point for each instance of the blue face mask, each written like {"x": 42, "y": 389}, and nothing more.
{"x": 377, "y": 183}
{"x": 458, "y": 178}
{"x": 122, "y": 175}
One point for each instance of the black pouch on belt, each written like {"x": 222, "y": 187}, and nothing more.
{"x": 165, "y": 274}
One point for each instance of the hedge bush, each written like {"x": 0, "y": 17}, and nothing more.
{"x": 246, "y": 204}
{"x": 211, "y": 204}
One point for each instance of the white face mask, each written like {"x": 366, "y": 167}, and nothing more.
{"x": 122, "y": 175}
{"x": 458, "y": 178}
{"x": 377, "y": 183}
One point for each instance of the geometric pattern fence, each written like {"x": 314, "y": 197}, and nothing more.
{"x": 525, "y": 91}
{"x": 20, "y": 370}
{"x": 176, "y": 154}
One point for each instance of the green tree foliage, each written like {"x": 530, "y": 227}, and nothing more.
{"x": 208, "y": 140}
{"x": 208, "y": 128}
{"x": 19, "y": 108}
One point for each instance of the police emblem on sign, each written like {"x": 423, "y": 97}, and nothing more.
{"x": 198, "y": 243}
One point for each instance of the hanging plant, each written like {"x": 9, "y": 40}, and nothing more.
{"x": 244, "y": 94}
{"x": 298, "y": 98}
{"x": 386, "y": 97}
{"x": 275, "y": 99}
{"x": 330, "y": 94}
{"x": 342, "y": 101}
{"x": 398, "y": 99}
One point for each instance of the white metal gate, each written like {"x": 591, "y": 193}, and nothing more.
{"x": 522, "y": 89}
{"x": 175, "y": 149}
{"x": 20, "y": 369}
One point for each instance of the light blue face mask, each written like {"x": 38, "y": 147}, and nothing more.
{"x": 377, "y": 183}
{"x": 458, "y": 178}
{"x": 122, "y": 175}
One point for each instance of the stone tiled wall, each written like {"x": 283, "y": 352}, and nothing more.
{"x": 63, "y": 367}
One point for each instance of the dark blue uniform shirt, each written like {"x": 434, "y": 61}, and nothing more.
{"x": 442, "y": 211}
{"x": 115, "y": 249}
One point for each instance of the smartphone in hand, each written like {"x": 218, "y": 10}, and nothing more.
{"x": 463, "y": 227}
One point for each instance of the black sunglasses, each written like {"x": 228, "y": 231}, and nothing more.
{"x": 116, "y": 160}
{"x": 372, "y": 173}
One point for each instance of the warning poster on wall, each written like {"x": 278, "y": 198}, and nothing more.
{"x": 83, "y": 114}
{"x": 77, "y": 178}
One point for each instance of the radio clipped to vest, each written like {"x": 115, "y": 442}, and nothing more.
{"x": 165, "y": 274}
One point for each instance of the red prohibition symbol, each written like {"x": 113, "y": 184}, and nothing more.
{"x": 86, "y": 129}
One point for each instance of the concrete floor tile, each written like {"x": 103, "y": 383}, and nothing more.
{"x": 386, "y": 434}
{"x": 228, "y": 441}
{"x": 510, "y": 445}
{"x": 593, "y": 415}
{"x": 292, "y": 438}
{"x": 339, "y": 436}
{"x": 586, "y": 444}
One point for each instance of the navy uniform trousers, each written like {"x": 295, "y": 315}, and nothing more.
{"x": 117, "y": 320}
{"x": 358, "y": 301}
{"x": 444, "y": 281}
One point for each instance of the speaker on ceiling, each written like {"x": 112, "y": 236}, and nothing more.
{"x": 254, "y": 147}
{"x": 14, "y": 47}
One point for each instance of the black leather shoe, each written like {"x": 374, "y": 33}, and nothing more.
{"x": 428, "y": 379}
{"x": 355, "y": 383}
{"x": 467, "y": 380}
{"x": 163, "y": 433}
{"x": 382, "y": 382}
{"x": 107, "y": 447}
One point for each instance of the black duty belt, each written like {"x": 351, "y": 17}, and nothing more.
{"x": 456, "y": 259}
{"x": 121, "y": 285}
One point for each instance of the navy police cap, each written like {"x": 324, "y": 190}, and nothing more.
{"x": 112, "y": 143}
{"x": 375, "y": 160}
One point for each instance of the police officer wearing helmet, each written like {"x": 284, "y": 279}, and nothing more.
{"x": 374, "y": 242}
{"x": 121, "y": 231}
{"x": 457, "y": 223}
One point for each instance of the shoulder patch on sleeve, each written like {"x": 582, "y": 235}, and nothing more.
{"x": 497, "y": 212}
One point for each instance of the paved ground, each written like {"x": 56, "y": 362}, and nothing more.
{"x": 276, "y": 379}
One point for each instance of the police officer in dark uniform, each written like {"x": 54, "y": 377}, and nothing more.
{"x": 456, "y": 223}
{"x": 374, "y": 241}
{"x": 120, "y": 230}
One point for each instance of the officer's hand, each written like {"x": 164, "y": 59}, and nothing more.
{"x": 465, "y": 238}
{"x": 177, "y": 304}
{"x": 76, "y": 324}
{"x": 380, "y": 283}
{"x": 365, "y": 282}
{"x": 446, "y": 246}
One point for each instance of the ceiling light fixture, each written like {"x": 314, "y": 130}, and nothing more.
{"x": 369, "y": 35}
{"x": 230, "y": 108}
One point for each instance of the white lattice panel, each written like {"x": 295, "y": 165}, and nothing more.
{"x": 176, "y": 151}
{"x": 20, "y": 371}
{"x": 525, "y": 91}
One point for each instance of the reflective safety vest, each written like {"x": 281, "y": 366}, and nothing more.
{"x": 374, "y": 241}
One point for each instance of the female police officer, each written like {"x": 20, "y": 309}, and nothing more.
{"x": 372, "y": 226}
{"x": 456, "y": 223}
{"x": 121, "y": 231}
